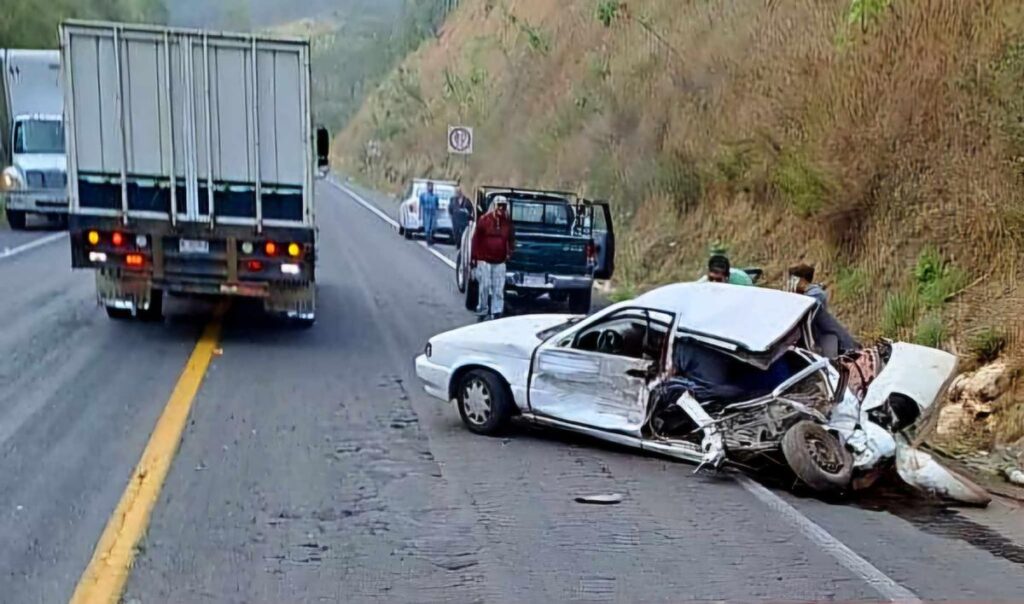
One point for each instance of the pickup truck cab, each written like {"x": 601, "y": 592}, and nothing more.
{"x": 563, "y": 243}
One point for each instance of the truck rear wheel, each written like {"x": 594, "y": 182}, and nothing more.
{"x": 16, "y": 218}
{"x": 119, "y": 314}
{"x": 579, "y": 302}
{"x": 155, "y": 312}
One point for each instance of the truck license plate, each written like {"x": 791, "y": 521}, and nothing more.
{"x": 193, "y": 246}
{"x": 534, "y": 281}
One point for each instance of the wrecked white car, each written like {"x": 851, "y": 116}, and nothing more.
{"x": 710, "y": 373}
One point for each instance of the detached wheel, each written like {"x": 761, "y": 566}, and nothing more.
{"x": 484, "y": 402}
{"x": 16, "y": 218}
{"x": 817, "y": 457}
{"x": 579, "y": 301}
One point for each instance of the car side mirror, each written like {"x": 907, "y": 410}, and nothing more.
{"x": 323, "y": 150}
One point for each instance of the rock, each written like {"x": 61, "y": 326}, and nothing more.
{"x": 988, "y": 383}
{"x": 1015, "y": 476}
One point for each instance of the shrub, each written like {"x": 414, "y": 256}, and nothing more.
{"x": 931, "y": 331}
{"x": 851, "y": 283}
{"x": 803, "y": 187}
{"x": 987, "y": 345}
{"x": 899, "y": 312}
{"x": 608, "y": 11}
{"x": 937, "y": 280}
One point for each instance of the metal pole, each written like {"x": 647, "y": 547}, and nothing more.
{"x": 209, "y": 131}
{"x": 120, "y": 122}
{"x": 169, "y": 100}
{"x": 256, "y": 138}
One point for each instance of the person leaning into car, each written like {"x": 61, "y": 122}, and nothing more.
{"x": 492, "y": 245}
{"x": 829, "y": 334}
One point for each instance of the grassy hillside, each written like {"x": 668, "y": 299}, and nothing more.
{"x": 881, "y": 140}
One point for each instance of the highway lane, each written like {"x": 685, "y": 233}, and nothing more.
{"x": 314, "y": 468}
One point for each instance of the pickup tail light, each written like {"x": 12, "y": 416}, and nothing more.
{"x": 591, "y": 253}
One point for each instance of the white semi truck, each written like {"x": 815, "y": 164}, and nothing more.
{"x": 192, "y": 160}
{"x": 33, "y": 177}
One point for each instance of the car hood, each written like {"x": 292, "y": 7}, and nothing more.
{"x": 511, "y": 337}
{"x": 918, "y": 372}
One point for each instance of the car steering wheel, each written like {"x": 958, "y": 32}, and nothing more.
{"x": 610, "y": 342}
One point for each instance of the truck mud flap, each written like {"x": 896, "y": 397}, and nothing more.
{"x": 293, "y": 301}
{"x": 124, "y": 292}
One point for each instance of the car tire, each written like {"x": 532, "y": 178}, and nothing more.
{"x": 16, "y": 218}
{"x": 460, "y": 273}
{"x": 817, "y": 457}
{"x": 472, "y": 294}
{"x": 119, "y": 314}
{"x": 579, "y": 302}
{"x": 484, "y": 402}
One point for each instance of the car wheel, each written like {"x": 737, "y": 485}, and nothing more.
{"x": 579, "y": 302}
{"x": 16, "y": 218}
{"x": 484, "y": 402}
{"x": 460, "y": 273}
{"x": 817, "y": 457}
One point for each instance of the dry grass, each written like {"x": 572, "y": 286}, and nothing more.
{"x": 770, "y": 126}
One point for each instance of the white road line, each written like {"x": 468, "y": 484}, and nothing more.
{"x": 14, "y": 251}
{"x": 391, "y": 221}
{"x": 365, "y": 204}
{"x": 887, "y": 587}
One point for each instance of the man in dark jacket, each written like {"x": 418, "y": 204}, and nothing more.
{"x": 461, "y": 209}
{"x": 832, "y": 338}
{"x": 492, "y": 245}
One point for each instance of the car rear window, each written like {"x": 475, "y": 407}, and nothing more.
{"x": 535, "y": 212}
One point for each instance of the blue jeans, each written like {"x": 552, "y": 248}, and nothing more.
{"x": 429, "y": 222}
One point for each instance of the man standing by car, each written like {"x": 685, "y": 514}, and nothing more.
{"x": 428, "y": 211}
{"x": 492, "y": 245}
{"x": 461, "y": 209}
{"x": 829, "y": 334}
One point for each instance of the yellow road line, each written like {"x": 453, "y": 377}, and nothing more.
{"x": 105, "y": 577}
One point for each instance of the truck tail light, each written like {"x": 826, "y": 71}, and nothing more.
{"x": 270, "y": 248}
{"x": 591, "y": 253}
{"x": 93, "y": 237}
{"x": 254, "y": 266}
{"x": 294, "y": 250}
{"x": 134, "y": 260}
{"x": 117, "y": 239}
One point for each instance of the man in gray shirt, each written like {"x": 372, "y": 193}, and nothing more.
{"x": 830, "y": 335}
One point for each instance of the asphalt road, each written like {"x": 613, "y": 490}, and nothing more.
{"x": 313, "y": 468}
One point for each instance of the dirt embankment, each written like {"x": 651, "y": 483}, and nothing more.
{"x": 881, "y": 140}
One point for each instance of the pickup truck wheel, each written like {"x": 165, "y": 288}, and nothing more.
{"x": 16, "y": 218}
{"x": 579, "y": 302}
{"x": 460, "y": 273}
{"x": 472, "y": 294}
{"x": 119, "y": 314}
{"x": 484, "y": 402}
{"x": 817, "y": 457}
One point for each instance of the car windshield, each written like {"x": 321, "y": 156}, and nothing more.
{"x": 443, "y": 193}
{"x": 39, "y": 136}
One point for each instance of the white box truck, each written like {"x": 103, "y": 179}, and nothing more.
{"x": 192, "y": 160}
{"x": 32, "y": 163}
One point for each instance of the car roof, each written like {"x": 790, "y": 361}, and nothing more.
{"x": 754, "y": 318}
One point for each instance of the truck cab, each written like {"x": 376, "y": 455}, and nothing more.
{"x": 33, "y": 174}
{"x": 562, "y": 244}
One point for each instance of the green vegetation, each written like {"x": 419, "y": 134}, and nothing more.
{"x": 33, "y": 23}
{"x": 937, "y": 279}
{"x": 608, "y": 11}
{"x": 931, "y": 331}
{"x": 851, "y": 284}
{"x": 987, "y": 344}
{"x": 899, "y": 313}
{"x": 802, "y": 186}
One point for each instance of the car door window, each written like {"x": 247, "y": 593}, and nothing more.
{"x": 633, "y": 333}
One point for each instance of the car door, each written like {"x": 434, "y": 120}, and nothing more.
{"x": 579, "y": 378}
{"x": 603, "y": 233}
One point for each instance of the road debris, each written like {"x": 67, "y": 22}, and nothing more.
{"x": 606, "y": 499}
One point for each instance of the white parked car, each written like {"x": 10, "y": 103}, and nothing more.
{"x": 410, "y": 219}
{"x": 711, "y": 373}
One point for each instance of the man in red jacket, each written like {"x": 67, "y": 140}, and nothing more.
{"x": 493, "y": 243}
